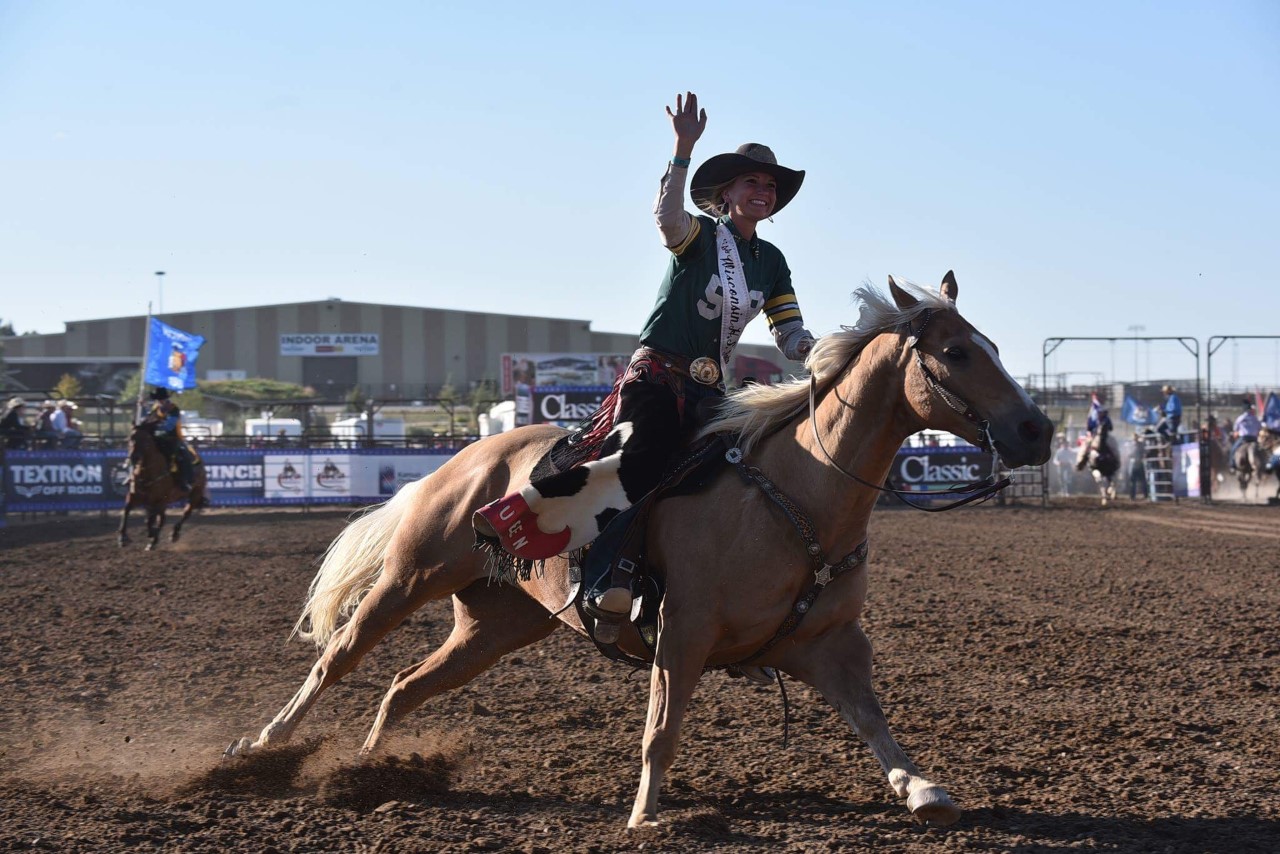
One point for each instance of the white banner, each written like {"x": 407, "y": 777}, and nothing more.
{"x": 329, "y": 344}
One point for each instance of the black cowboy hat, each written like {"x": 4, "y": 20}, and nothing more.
{"x": 160, "y": 394}
{"x": 1247, "y": 403}
{"x": 751, "y": 157}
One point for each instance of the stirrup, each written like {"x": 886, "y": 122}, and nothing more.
{"x": 755, "y": 673}
{"x": 610, "y": 609}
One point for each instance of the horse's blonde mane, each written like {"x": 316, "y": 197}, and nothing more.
{"x": 749, "y": 413}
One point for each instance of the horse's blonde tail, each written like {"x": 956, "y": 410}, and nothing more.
{"x": 350, "y": 567}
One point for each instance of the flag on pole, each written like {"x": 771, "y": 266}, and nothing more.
{"x": 171, "y": 356}
{"x": 1271, "y": 412}
{"x": 1136, "y": 413}
{"x": 1095, "y": 414}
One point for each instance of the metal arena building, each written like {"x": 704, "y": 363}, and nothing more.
{"x": 331, "y": 346}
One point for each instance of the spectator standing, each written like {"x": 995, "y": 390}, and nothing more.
{"x": 1137, "y": 471}
{"x": 1064, "y": 463}
{"x": 1172, "y": 418}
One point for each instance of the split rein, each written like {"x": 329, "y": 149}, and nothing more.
{"x": 981, "y": 490}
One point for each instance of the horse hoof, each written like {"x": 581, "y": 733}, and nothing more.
{"x": 151, "y": 547}
{"x": 239, "y": 747}
{"x": 933, "y": 806}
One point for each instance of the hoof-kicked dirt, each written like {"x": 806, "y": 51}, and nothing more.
{"x": 1075, "y": 678}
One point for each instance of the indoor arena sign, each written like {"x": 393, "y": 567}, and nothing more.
{"x": 329, "y": 344}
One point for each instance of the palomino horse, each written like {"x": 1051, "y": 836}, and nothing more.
{"x": 735, "y": 568}
{"x": 152, "y": 486}
{"x": 1102, "y": 456}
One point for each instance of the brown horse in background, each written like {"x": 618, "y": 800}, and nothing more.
{"x": 735, "y": 568}
{"x": 153, "y": 486}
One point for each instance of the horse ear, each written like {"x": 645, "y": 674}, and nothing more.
{"x": 949, "y": 288}
{"x": 904, "y": 300}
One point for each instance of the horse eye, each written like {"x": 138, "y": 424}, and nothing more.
{"x": 955, "y": 354}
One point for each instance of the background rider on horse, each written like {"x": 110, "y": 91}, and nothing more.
{"x": 167, "y": 418}
{"x": 1245, "y": 430}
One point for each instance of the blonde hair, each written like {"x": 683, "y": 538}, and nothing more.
{"x": 713, "y": 197}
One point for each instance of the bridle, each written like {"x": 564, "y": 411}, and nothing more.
{"x": 980, "y": 490}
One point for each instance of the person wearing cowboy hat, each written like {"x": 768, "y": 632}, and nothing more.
{"x": 1172, "y": 414}
{"x": 60, "y": 420}
{"x": 45, "y": 435}
{"x": 1245, "y": 430}
{"x": 720, "y": 275}
{"x": 16, "y": 432}
{"x": 167, "y": 418}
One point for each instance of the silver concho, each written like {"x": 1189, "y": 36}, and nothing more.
{"x": 704, "y": 370}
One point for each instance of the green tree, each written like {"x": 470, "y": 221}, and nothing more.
{"x": 68, "y": 387}
{"x": 484, "y": 394}
{"x": 355, "y": 400}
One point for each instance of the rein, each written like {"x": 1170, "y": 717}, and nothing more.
{"x": 981, "y": 489}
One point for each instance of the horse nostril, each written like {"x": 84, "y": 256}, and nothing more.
{"x": 1029, "y": 431}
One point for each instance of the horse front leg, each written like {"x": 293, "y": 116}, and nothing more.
{"x": 155, "y": 521}
{"x": 838, "y": 664}
{"x": 677, "y": 666}
{"x": 124, "y": 520}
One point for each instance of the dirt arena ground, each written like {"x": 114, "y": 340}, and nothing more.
{"x": 1075, "y": 678}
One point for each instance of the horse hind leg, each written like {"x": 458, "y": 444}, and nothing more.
{"x": 1102, "y": 484}
{"x": 838, "y": 664}
{"x": 490, "y": 621}
{"x": 177, "y": 526}
{"x": 124, "y": 519}
{"x": 381, "y": 610}
{"x": 400, "y": 589}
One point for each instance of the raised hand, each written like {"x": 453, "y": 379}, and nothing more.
{"x": 687, "y": 122}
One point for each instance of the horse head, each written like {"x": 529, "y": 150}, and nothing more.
{"x": 956, "y": 382}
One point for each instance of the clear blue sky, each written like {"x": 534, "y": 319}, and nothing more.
{"x": 1084, "y": 167}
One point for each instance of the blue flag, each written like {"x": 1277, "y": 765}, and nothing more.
{"x": 1136, "y": 413}
{"x": 1271, "y": 413}
{"x": 1095, "y": 414}
{"x": 171, "y": 357}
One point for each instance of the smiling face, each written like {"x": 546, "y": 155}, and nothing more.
{"x": 752, "y": 196}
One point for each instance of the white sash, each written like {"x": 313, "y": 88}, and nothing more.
{"x": 734, "y": 306}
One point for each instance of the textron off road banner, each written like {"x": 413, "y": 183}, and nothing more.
{"x": 51, "y": 481}
{"x": 61, "y": 480}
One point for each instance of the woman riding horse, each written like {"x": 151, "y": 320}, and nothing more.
{"x": 741, "y": 562}
{"x": 720, "y": 276}
{"x": 1101, "y": 454}
{"x": 153, "y": 486}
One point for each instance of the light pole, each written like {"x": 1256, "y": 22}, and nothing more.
{"x": 1135, "y": 329}
{"x": 160, "y": 285}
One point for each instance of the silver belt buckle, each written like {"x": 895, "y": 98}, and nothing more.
{"x": 704, "y": 370}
